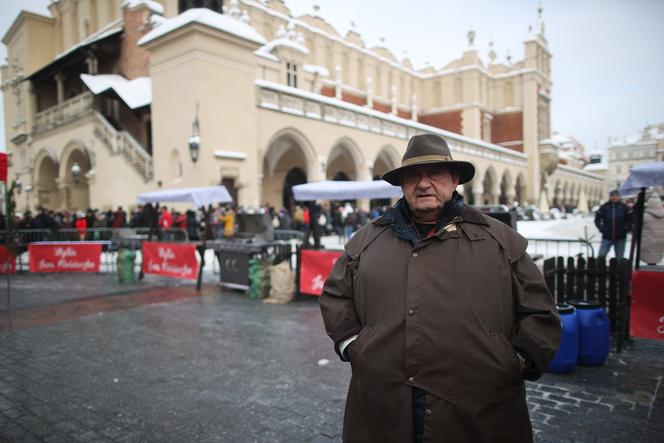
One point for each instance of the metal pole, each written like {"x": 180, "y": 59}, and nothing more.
{"x": 635, "y": 246}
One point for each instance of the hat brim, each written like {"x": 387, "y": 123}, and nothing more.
{"x": 466, "y": 171}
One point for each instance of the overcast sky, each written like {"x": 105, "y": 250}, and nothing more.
{"x": 608, "y": 56}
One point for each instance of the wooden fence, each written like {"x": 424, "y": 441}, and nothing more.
{"x": 592, "y": 279}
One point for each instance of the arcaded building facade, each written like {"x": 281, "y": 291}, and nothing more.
{"x": 104, "y": 99}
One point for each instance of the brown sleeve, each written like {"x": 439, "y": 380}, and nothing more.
{"x": 336, "y": 302}
{"x": 538, "y": 326}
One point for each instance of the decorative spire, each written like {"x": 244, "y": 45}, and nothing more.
{"x": 245, "y": 17}
{"x": 382, "y": 42}
{"x": 316, "y": 9}
{"x": 471, "y": 38}
{"x": 234, "y": 10}
{"x": 492, "y": 53}
{"x": 290, "y": 31}
{"x": 509, "y": 58}
{"x": 540, "y": 20}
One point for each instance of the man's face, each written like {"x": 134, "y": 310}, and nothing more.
{"x": 615, "y": 198}
{"x": 427, "y": 187}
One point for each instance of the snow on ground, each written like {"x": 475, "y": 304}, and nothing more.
{"x": 544, "y": 237}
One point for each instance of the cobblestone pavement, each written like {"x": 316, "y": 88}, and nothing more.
{"x": 165, "y": 364}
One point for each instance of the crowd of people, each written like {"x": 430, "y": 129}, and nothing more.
{"x": 336, "y": 218}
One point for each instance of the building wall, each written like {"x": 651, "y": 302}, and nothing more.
{"x": 200, "y": 68}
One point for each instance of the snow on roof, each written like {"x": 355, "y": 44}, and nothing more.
{"x": 207, "y": 17}
{"x": 152, "y": 5}
{"x": 135, "y": 93}
{"x": 285, "y": 42}
{"x": 113, "y": 27}
{"x": 595, "y": 167}
{"x": 315, "y": 69}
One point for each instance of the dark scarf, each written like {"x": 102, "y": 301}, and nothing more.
{"x": 401, "y": 219}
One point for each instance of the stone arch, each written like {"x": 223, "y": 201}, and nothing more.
{"x": 387, "y": 159}
{"x": 289, "y": 159}
{"x": 346, "y": 158}
{"x": 75, "y": 189}
{"x": 46, "y": 178}
{"x": 491, "y": 187}
{"x": 506, "y": 196}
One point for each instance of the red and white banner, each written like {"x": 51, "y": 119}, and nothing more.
{"x": 64, "y": 256}
{"x": 315, "y": 266}
{"x": 170, "y": 259}
{"x": 4, "y": 258}
{"x": 647, "y": 311}
{"x": 3, "y": 166}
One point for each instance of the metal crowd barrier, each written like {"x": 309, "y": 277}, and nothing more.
{"x": 113, "y": 239}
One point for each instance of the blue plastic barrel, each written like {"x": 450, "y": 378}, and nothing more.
{"x": 594, "y": 333}
{"x": 564, "y": 361}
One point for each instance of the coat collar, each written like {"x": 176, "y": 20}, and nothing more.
{"x": 399, "y": 218}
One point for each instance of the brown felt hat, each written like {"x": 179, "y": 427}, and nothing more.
{"x": 426, "y": 149}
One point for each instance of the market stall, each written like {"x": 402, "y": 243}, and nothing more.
{"x": 647, "y": 306}
{"x": 315, "y": 265}
{"x": 178, "y": 260}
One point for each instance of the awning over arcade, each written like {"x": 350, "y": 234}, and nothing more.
{"x": 345, "y": 190}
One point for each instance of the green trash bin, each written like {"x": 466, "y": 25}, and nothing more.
{"x": 126, "y": 262}
{"x": 259, "y": 278}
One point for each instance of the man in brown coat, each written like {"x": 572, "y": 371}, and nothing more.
{"x": 441, "y": 313}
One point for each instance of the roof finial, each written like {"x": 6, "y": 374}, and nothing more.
{"x": 509, "y": 58}
{"x": 471, "y": 38}
{"x": 492, "y": 53}
{"x": 316, "y": 8}
{"x": 540, "y": 20}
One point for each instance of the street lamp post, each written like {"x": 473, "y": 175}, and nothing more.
{"x": 195, "y": 139}
{"x": 76, "y": 172}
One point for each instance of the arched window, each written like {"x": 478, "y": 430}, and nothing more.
{"x": 291, "y": 74}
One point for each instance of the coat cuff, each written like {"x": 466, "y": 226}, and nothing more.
{"x": 344, "y": 331}
{"x": 539, "y": 361}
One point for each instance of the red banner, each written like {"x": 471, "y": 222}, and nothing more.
{"x": 170, "y": 260}
{"x": 64, "y": 256}
{"x": 3, "y": 166}
{"x": 4, "y": 258}
{"x": 647, "y": 311}
{"x": 315, "y": 266}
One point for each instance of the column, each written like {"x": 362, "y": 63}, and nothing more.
{"x": 60, "y": 84}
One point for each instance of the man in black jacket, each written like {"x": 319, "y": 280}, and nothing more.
{"x": 614, "y": 221}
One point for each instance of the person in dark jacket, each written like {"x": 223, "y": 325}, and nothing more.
{"x": 441, "y": 313}
{"x": 614, "y": 220}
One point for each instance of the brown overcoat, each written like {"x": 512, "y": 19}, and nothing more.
{"x": 446, "y": 316}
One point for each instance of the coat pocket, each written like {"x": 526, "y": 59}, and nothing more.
{"x": 356, "y": 346}
{"x": 513, "y": 369}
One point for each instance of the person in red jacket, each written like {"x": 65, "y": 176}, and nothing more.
{"x": 81, "y": 224}
{"x": 165, "y": 218}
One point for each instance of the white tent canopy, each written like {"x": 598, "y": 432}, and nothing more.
{"x": 345, "y": 190}
{"x": 197, "y": 196}
{"x": 643, "y": 176}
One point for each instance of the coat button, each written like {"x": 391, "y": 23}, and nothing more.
{"x": 411, "y": 311}
{"x": 411, "y": 379}
{"x": 414, "y": 254}
{"x": 428, "y": 412}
